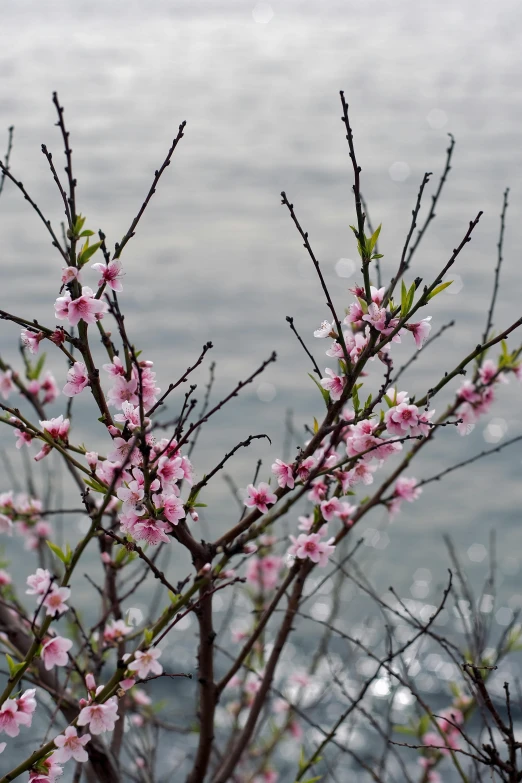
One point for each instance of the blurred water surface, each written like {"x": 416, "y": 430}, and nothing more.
{"x": 217, "y": 257}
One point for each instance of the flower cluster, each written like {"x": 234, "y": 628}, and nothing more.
{"x": 22, "y": 513}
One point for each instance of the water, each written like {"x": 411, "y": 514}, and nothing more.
{"x": 216, "y": 255}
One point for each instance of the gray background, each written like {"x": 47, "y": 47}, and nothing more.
{"x": 216, "y": 255}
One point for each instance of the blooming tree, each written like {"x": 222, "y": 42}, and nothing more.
{"x": 142, "y": 495}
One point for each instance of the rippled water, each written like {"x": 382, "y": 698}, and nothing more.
{"x": 216, "y": 255}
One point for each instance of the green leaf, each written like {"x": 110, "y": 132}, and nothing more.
{"x": 404, "y": 298}
{"x": 355, "y": 398}
{"x": 96, "y": 486}
{"x": 78, "y": 224}
{"x": 438, "y": 289}
{"x": 372, "y": 241}
{"x": 148, "y": 635}
{"x": 364, "y": 306}
{"x": 313, "y": 780}
{"x": 411, "y": 295}
{"x": 423, "y": 725}
{"x": 57, "y": 551}
{"x": 86, "y": 233}
{"x": 405, "y": 730}
{"x": 325, "y": 395}
{"x": 389, "y": 402}
{"x": 316, "y": 425}
{"x": 120, "y": 555}
{"x": 87, "y": 252}
{"x": 14, "y": 667}
{"x": 455, "y": 690}
{"x": 33, "y": 371}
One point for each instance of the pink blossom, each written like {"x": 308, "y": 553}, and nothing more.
{"x": 146, "y": 661}
{"x": 310, "y": 546}
{"x": 122, "y": 448}
{"x": 400, "y": 419}
{"x": 284, "y": 474}
{"x": 394, "y": 506}
{"x": 11, "y": 719}
{"x": 69, "y": 273}
{"x": 100, "y": 717}
{"x": 318, "y": 491}
{"x": 44, "y": 451}
{"x": 376, "y": 316}
{"x": 264, "y": 571}
{"x": 23, "y": 437}
{"x": 61, "y": 306}
{"x": 444, "y": 744}
{"x": 467, "y": 414}
{"x": 170, "y": 470}
{"x": 110, "y": 274}
{"x": 31, "y": 340}
{"x": 6, "y": 383}
{"x": 306, "y": 523}
{"x": 58, "y": 336}
{"x": 92, "y": 459}
{"x": 296, "y": 730}
{"x": 329, "y": 508}
{"x": 449, "y": 719}
{"x": 188, "y": 470}
{"x": 468, "y": 392}
{"x": 407, "y": 489}
{"x": 54, "y": 651}
{"x": 132, "y": 496}
{"x": 85, "y": 308}
{"x": 153, "y": 531}
{"x": 55, "y": 600}
{"x": 345, "y": 513}
{"x": 38, "y": 582}
{"x": 424, "y": 425}
{"x": 420, "y": 331}
{"x": 305, "y": 467}
{"x": 397, "y": 397}
{"x": 53, "y": 771}
{"x": 5, "y": 579}
{"x": 56, "y": 428}
{"x": 325, "y": 330}
{"x": 77, "y": 379}
{"x": 172, "y": 507}
{"x": 90, "y": 682}
{"x": 333, "y": 384}
{"x": 123, "y": 391}
{"x": 488, "y": 371}
{"x": 26, "y": 706}
{"x": 50, "y": 387}
{"x": 6, "y": 524}
{"x": 487, "y": 397}
{"x": 377, "y": 294}
{"x": 267, "y": 776}
{"x": 260, "y": 498}
{"x": 361, "y": 472}
{"x": 131, "y": 415}
{"x": 355, "y": 314}
{"x": 116, "y": 631}
{"x": 71, "y": 746}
